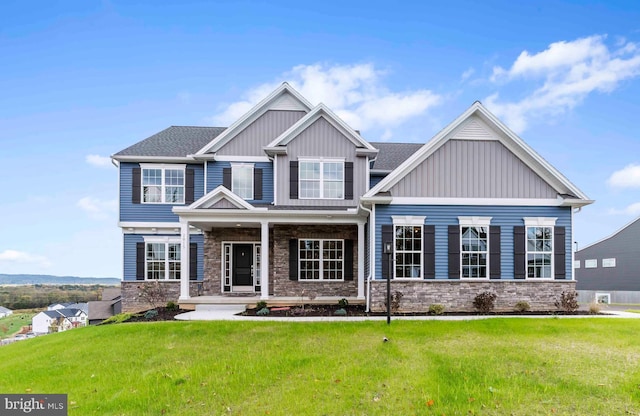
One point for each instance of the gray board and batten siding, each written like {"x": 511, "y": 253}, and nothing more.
{"x": 473, "y": 169}
{"x": 265, "y": 129}
{"x": 320, "y": 140}
{"x": 624, "y": 247}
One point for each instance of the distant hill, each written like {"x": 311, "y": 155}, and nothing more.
{"x": 44, "y": 279}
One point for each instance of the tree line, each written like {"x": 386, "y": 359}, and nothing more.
{"x": 40, "y": 296}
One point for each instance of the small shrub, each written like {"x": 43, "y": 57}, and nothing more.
{"x": 343, "y": 303}
{"x": 523, "y": 306}
{"x": 150, "y": 314}
{"x": 172, "y": 306}
{"x": 263, "y": 311}
{"x": 484, "y": 302}
{"x": 568, "y": 302}
{"x": 594, "y": 308}
{"x": 436, "y": 309}
{"x": 340, "y": 312}
{"x": 261, "y": 305}
{"x": 117, "y": 319}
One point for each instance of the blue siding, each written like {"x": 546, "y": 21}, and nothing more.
{"x": 151, "y": 212}
{"x": 214, "y": 179}
{"x": 130, "y": 240}
{"x": 373, "y": 180}
{"x": 444, "y": 215}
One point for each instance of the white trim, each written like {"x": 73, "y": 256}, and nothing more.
{"x": 255, "y": 159}
{"x": 231, "y": 266}
{"x": 321, "y": 180}
{"x": 161, "y": 239}
{"x": 408, "y": 219}
{"x": 602, "y": 295}
{"x": 540, "y": 221}
{"x": 321, "y": 260}
{"x": 252, "y": 115}
{"x": 474, "y": 201}
{"x": 155, "y": 159}
{"x": 591, "y": 263}
{"x": 163, "y": 167}
{"x": 213, "y": 197}
{"x": 175, "y": 166}
{"x": 314, "y": 115}
{"x": 165, "y": 241}
{"x": 172, "y": 228}
{"x": 508, "y": 138}
{"x": 264, "y": 260}
{"x": 475, "y": 222}
{"x": 275, "y": 180}
{"x": 609, "y": 262}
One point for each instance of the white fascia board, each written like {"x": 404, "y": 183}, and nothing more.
{"x": 250, "y": 116}
{"x": 156, "y": 159}
{"x": 241, "y": 158}
{"x": 320, "y": 110}
{"x": 477, "y": 201}
{"x": 376, "y": 200}
{"x": 231, "y": 216}
{"x": 540, "y": 221}
{"x": 138, "y": 227}
{"x": 214, "y": 196}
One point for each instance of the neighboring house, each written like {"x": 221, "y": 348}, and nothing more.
{"x": 608, "y": 271}
{"x": 58, "y": 320}
{"x": 55, "y": 306}
{"x": 290, "y": 200}
{"x": 5, "y": 312}
{"x": 109, "y": 305}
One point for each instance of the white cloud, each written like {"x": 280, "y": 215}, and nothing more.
{"x": 98, "y": 209}
{"x": 628, "y": 177}
{"x": 15, "y": 256}
{"x": 564, "y": 75}
{"x": 99, "y": 161}
{"x": 467, "y": 74}
{"x": 355, "y": 93}
{"x": 633, "y": 209}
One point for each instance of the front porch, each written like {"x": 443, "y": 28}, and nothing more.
{"x": 199, "y": 302}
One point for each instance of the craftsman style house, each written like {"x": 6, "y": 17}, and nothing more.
{"x": 289, "y": 200}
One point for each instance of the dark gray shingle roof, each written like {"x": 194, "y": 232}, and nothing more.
{"x": 175, "y": 141}
{"x": 391, "y": 155}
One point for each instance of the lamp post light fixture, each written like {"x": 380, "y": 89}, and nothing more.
{"x": 388, "y": 250}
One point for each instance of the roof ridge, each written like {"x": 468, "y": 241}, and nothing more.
{"x": 198, "y": 127}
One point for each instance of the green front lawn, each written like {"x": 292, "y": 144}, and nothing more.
{"x": 487, "y": 367}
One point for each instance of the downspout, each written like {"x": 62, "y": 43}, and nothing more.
{"x": 371, "y": 241}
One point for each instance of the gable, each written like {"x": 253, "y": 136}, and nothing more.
{"x": 321, "y": 139}
{"x": 251, "y": 140}
{"x": 473, "y": 169}
{"x": 223, "y": 203}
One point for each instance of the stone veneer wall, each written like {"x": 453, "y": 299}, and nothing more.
{"x": 132, "y": 302}
{"x": 458, "y": 295}
{"x": 279, "y": 282}
{"x": 212, "y": 284}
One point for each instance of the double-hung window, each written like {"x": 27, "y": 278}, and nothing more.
{"x": 321, "y": 179}
{"x": 242, "y": 180}
{"x": 539, "y": 232}
{"x": 321, "y": 259}
{"x": 408, "y": 246}
{"x": 163, "y": 184}
{"x": 162, "y": 259}
{"x": 474, "y": 247}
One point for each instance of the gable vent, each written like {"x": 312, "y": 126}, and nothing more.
{"x": 474, "y": 130}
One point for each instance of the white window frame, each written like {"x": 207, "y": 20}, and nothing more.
{"x": 591, "y": 264}
{"x": 321, "y": 180}
{"x": 408, "y": 221}
{"x": 235, "y": 167}
{"x": 166, "y": 241}
{"x": 610, "y": 262}
{"x": 321, "y": 260}
{"x": 475, "y": 222}
{"x": 163, "y": 182}
{"x": 540, "y": 222}
{"x": 600, "y": 295}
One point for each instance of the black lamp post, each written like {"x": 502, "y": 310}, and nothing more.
{"x": 388, "y": 250}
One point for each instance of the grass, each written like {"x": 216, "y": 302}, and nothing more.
{"x": 632, "y": 310}
{"x": 586, "y": 366}
{"x": 14, "y": 322}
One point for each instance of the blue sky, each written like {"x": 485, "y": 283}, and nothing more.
{"x": 81, "y": 80}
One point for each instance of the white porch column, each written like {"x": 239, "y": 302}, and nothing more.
{"x": 264, "y": 260}
{"x": 361, "y": 260}
{"x": 184, "y": 260}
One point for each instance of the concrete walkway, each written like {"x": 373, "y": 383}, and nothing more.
{"x": 229, "y": 313}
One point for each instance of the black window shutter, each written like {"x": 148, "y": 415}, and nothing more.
{"x": 454, "y": 252}
{"x": 348, "y": 180}
{"x": 560, "y": 258}
{"x": 293, "y": 259}
{"x": 193, "y": 261}
{"x": 140, "y": 261}
{"x": 495, "y": 269}
{"x": 387, "y": 237}
{"x": 226, "y": 178}
{"x": 429, "y": 251}
{"x": 136, "y": 185}
{"x": 348, "y": 259}
{"x": 293, "y": 179}
{"x": 189, "y": 186}
{"x": 519, "y": 252}
{"x": 257, "y": 184}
